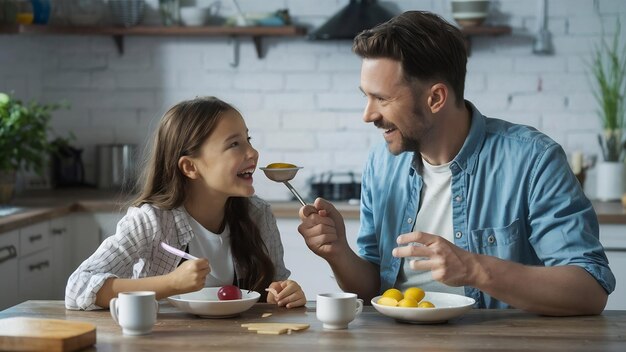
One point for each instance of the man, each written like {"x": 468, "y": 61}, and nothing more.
{"x": 455, "y": 201}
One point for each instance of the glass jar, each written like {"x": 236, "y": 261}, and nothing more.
{"x": 25, "y": 13}
{"x": 170, "y": 12}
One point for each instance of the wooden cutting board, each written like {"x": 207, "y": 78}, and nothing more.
{"x": 34, "y": 334}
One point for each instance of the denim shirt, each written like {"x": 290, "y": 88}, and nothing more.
{"x": 513, "y": 197}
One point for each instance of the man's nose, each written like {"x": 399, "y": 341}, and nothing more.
{"x": 370, "y": 114}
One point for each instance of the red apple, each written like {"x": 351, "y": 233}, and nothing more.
{"x": 229, "y": 293}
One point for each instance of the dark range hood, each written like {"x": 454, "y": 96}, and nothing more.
{"x": 351, "y": 20}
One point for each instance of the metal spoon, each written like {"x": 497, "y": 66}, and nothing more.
{"x": 284, "y": 175}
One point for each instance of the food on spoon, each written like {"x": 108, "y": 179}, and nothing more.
{"x": 425, "y": 304}
{"x": 387, "y": 301}
{"x": 228, "y": 293}
{"x": 281, "y": 166}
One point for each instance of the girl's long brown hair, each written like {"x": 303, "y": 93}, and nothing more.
{"x": 182, "y": 131}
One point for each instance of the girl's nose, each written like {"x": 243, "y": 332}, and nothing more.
{"x": 253, "y": 153}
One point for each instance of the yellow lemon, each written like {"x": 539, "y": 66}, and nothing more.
{"x": 414, "y": 292}
{"x": 425, "y": 304}
{"x": 280, "y": 166}
{"x": 407, "y": 302}
{"x": 387, "y": 301}
{"x": 393, "y": 293}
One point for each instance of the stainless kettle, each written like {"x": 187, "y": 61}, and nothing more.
{"x": 116, "y": 166}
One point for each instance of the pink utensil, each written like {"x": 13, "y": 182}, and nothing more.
{"x": 177, "y": 252}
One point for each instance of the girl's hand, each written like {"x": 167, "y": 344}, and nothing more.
{"x": 189, "y": 276}
{"x": 286, "y": 294}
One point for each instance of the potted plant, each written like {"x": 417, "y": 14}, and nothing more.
{"x": 24, "y": 140}
{"x": 608, "y": 68}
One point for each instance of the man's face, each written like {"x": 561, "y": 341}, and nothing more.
{"x": 394, "y": 105}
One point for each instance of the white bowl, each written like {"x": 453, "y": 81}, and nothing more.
{"x": 205, "y": 303}
{"x": 460, "y": 6}
{"x": 447, "y": 306}
{"x": 470, "y": 12}
{"x": 194, "y": 16}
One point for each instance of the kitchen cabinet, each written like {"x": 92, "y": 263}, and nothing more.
{"x": 310, "y": 271}
{"x": 9, "y": 252}
{"x": 35, "y": 270}
{"x": 62, "y": 254}
{"x": 613, "y": 238}
{"x": 36, "y": 261}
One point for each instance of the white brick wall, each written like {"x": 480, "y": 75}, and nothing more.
{"x": 301, "y": 101}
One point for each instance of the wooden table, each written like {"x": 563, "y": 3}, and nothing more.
{"x": 478, "y": 330}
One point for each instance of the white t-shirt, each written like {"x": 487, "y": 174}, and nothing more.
{"x": 435, "y": 217}
{"x": 216, "y": 248}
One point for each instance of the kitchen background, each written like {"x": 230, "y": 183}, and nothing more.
{"x": 301, "y": 101}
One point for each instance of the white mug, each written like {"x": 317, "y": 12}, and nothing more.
{"x": 135, "y": 312}
{"x": 337, "y": 310}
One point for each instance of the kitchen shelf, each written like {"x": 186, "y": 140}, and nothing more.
{"x": 255, "y": 32}
{"x": 473, "y": 31}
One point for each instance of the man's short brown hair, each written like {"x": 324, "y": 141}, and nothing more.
{"x": 428, "y": 47}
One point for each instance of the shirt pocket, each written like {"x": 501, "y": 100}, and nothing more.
{"x": 501, "y": 242}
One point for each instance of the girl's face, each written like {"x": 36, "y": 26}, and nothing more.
{"x": 227, "y": 159}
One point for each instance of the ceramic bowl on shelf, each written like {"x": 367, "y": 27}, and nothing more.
{"x": 126, "y": 13}
{"x": 85, "y": 12}
{"x": 469, "y": 13}
{"x": 200, "y": 16}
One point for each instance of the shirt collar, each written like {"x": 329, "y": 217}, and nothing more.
{"x": 182, "y": 224}
{"x": 467, "y": 157}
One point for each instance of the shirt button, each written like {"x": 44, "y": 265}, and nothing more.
{"x": 458, "y": 198}
{"x": 458, "y": 234}
{"x": 491, "y": 239}
{"x": 409, "y": 220}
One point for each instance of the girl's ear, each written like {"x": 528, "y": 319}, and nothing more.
{"x": 188, "y": 167}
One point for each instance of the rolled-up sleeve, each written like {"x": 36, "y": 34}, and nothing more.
{"x": 114, "y": 258}
{"x": 565, "y": 228}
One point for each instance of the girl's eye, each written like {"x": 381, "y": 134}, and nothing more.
{"x": 249, "y": 140}
{"x": 234, "y": 144}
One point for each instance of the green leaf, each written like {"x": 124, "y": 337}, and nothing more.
{"x": 24, "y": 130}
{"x": 608, "y": 68}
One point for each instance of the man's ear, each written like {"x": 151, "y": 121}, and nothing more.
{"x": 188, "y": 167}
{"x": 437, "y": 97}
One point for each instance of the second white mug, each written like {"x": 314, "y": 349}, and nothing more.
{"x": 136, "y": 312}
{"x": 337, "y": 310}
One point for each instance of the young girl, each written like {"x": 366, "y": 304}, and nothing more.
{"x": 198, "y": 196}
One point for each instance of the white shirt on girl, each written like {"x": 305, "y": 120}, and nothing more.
{"x": 216, "y": 248}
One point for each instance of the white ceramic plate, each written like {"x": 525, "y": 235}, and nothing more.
{"x": 206, "y": 304}
{"x": 447, "y": 306}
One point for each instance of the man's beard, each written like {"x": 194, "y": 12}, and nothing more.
{"x": 412, "y": 140}
{"x": 410, "y": 144}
